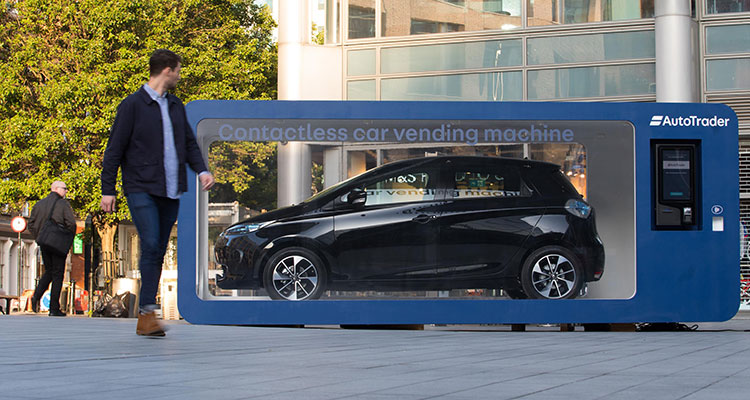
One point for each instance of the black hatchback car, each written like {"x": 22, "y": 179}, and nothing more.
{"x": 434, "y": 223}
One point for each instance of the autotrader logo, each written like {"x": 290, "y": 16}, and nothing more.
{"x": 688, "y": 121}
{"x": 656, "y": 120}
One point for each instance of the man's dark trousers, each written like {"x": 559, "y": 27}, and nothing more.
{"x": 54, "y": 269}
{"x": 154, "y": 217}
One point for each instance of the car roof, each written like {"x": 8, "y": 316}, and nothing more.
{"x": 470, "y": 159}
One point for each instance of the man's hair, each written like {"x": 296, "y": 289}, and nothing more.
{"x": 162, "y": 58}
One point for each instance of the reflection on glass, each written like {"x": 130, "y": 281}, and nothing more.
{"x": 496, "y": 86}
{"x": 570, "y": 157}
{"x": 454, "y": 56}
{"x": 360, "y": 90}
{"x": 728, "y": 74}
{"x": 596, "y": 47}
{"x": 547, "y": 12}
{"x": 361, "y": 19}
{"x": 581, "y": 11}
{"x": 360, "y": 62}
{"x": 358, "y": 162}
{"x": 728, "y": 39}
{"x": 542, "y": 12}
{"x": 617, "y": 80}
{"x": 727, "y": 6}
{"x": 414, "y": 17}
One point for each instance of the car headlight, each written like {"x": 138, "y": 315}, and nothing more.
{"x": 244, "y": 228}
{"x": 579, "y": 208}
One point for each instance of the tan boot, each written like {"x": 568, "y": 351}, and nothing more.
{"x": 148, "y": 325}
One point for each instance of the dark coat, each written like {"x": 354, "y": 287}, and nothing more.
{"x": 136, "y": 143}
{"x": 63, "y": 214}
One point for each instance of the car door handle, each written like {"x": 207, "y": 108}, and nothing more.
{"x": 423, "y": 219}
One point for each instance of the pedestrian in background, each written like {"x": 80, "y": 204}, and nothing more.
{"x": 54, "y": 207}
{"x": 152, "y": 141}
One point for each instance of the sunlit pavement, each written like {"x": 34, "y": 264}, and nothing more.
{"x": 99, "y": 358}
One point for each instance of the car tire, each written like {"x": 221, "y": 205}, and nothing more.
{"x": 295, "y": 273}
{"x": 552, "y": 272}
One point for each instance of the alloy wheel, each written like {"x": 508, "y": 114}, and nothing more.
{"x": 553, "y": 276}
{"x": 295, "y": 278}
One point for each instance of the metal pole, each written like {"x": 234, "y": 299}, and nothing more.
{"x": 18, "y": 266}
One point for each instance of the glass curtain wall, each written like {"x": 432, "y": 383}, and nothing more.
{"x": 728, "y": 57}
{"x": 418, "y": 17}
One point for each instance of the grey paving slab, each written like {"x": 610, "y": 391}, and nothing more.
{"x": 83, "y": 358}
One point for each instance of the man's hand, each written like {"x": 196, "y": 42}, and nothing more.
{"x": 108, "y": 203}
{"x": 207, "y": 180}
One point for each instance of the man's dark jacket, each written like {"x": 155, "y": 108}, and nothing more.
{"x": 63, "y": 214}
{"x": 136, "y": 143}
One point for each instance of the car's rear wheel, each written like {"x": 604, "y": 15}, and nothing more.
{"x": 295, "y": 273}
{"x": 552, "y": 272}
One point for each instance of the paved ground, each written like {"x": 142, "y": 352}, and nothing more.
{"x": 96, "y": 358}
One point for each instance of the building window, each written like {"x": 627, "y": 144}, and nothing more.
{"x": 361, "y": 90}
{"x": 727, "y": 6}
{"x": 590, "y": 48}
{"x": 605, "y": 81}
{"x": 728, "y": 74}
{"x": 453, "y": 56}
{"x": 728, "y": 39}
{"x": 414, "y": 17}
{"x": 554, "y": 12}
{"x": 495, "y": 86}
{"x": 360, "y": 62}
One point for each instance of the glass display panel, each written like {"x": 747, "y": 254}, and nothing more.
{"x": 407, "y": 239}
{"x": 495, "y": 86}
{"x": 360, "y": 62}
{"x": 361, "y": 19}
{"x": 586, "y": 48}
{"x": 454, "y": 56}
{"x": 616, "y": 80}
{"x": 415, "y": 17}
{"x": 360, "y": 90}
{"x": 728, "y": 39}
{"x": 728, "y": 74}
{"x": 727, "y": 6}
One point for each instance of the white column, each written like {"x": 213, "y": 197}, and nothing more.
{"x": 294, "y": 158}
{"x": 676, "y": 52}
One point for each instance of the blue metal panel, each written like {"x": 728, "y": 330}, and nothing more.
{"x": 681, "y": 275}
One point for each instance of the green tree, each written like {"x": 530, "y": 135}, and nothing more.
{"x": 66, "y": 65}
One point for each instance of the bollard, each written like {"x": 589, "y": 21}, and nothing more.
{"x": 72, "y": 302}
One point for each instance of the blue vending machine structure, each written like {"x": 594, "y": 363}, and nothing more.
{"x": 663, "y": 178}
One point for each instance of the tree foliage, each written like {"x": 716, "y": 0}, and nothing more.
{"x": 66, "y": 65}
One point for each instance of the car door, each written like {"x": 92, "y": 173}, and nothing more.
{"x": 488, "y": 215}
{"x": 394, "y": 236}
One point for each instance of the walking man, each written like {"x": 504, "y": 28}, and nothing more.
{"x": 56, "y": 208}
{"x": 152, "y": 141}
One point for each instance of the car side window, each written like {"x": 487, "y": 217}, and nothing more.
{"x": 494, "y": 182}
{"x": 402, "y": 187}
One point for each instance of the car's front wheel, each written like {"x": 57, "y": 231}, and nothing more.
{"x": 552, "y": 272}
{"x": 295, "y": 273}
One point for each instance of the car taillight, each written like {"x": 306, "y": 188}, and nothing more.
{"x": 579, "y": 208}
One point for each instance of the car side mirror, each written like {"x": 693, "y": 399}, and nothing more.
{"x": 357, "y": 198}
